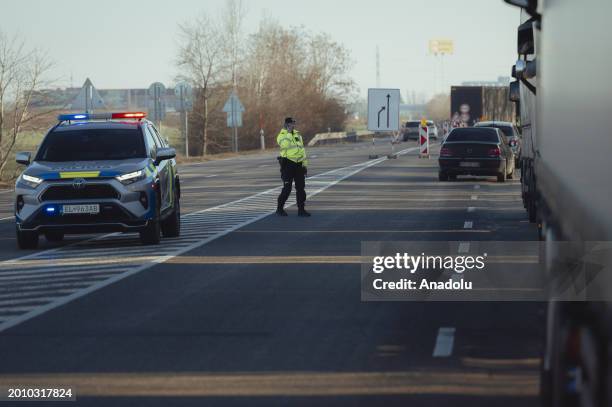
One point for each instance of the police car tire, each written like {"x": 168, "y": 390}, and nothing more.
{"x": 171, "y": 226}
{"x": 152, "y": 232}
{"x": 27, "y": 240}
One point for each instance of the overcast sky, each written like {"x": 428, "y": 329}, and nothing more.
{"x": 132, "y": 43}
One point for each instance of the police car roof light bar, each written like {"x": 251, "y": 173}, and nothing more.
{"x": 101, "y": 116}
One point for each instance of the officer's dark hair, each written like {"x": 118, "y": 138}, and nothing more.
{"x": 289, "y": 120}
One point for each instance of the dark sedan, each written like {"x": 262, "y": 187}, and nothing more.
{"x": 476, "y": 151}
{"x": 511, "y": 133}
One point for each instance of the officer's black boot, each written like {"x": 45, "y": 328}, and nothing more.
{"x": 280, "y": 211}
{"x": 302, "y": 212}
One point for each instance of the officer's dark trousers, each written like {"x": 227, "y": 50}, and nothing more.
{"x": 292, "y": 172}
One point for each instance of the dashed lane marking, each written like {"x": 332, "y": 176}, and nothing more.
{"x": 37, "y": 283}
{"x": 444, "y": 342}
{"x": 464, "y": 247}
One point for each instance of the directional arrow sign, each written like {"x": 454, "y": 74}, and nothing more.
{"x": 383, "y": 109}
{"x": 234, "y": 109}
{"x": 157, "y": 102}
{"x": 184, "y": 99}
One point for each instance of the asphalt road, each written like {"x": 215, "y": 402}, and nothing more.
{"x": 263, "y": 310}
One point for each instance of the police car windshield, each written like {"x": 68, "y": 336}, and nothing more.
{"x": 92, "y": 145}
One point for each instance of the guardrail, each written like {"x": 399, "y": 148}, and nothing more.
{"x": 339, "y": 137}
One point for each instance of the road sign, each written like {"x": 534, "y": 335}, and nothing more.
{"x": 88, "y": 98}
{"x": 443, "y": 47}
{"x": 184, "y": 97}
{"x": 157, "y": 102}
{"x": 383, "y": 109}
{"x": 234, "y": 109}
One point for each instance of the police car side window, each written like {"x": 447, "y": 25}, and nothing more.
{"x": 151, "y": 147}
{"x": 158, "y": 138}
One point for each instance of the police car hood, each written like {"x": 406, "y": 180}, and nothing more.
{"x": 85, "y": 169}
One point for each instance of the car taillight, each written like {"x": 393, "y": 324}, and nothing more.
{"x": 494, "y": 152}
{"x": 445, "y": 152}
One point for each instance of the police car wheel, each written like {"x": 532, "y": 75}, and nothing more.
{"x": 54, "y": 236}
{"x": 152, "y": 232}
{"x": 27, "y": 240}
{"x": 171, "y": 226}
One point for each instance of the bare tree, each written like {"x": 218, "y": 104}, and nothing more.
{"x": 21, "y": 75}
{"x": 232, "y": 19}
{"x": 200, "y": 59}
{"x": 438, "y": 107}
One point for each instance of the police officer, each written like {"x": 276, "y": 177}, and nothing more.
{"x": 293, "y": 166}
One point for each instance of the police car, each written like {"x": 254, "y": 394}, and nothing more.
{"x": 96, "y": 173}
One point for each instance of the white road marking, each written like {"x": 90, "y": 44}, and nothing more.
{"x": 468, "y": 224}
{"x": 444, "y": 342}
{"x": 7, "y": 218}
{"x": 211, "y": 176}
{"x": 474, "y": 197}
{"x": 464, "y": 247}
{"x": 471, "y": 209}
{"x": 201, "y": 228}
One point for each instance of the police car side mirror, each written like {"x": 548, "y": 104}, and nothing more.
{"x": 23, "y": 158}
{"x": 164, "y": 153}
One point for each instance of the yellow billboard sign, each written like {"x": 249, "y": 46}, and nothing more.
{"x": 444, "y": 47}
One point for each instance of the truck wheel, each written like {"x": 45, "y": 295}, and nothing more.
{"x": 442, "y": 176}
{"x": 54, "y": 236}
{"x": 171, "y": 226}
{"x": 152, "y": 232}
{"x": 26, "y": 239}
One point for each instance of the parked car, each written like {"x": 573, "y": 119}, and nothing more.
{"x": 410, "y": 130}
{"x": 511, "y": 133}
{"x": 433, "y": 130}
{"x": 476, "y": 151}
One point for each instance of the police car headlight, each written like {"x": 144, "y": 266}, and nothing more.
{"x": 132, "y": 177}
{"x": 30, "y": 181}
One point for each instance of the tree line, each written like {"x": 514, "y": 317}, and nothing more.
{"x": 277, "y": 71}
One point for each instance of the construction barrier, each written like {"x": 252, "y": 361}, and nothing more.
{"x": 424, "y": 141}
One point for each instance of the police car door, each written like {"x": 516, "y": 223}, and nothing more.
{"x": 152, "y": 147}
{"x": 167, "y": 175}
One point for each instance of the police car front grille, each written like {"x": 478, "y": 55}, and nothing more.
{"x": 87, "y": 191}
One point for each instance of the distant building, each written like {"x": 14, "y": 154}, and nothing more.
{"x": 105, "y": 99}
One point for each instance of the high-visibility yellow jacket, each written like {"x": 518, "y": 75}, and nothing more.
{"x": 292, "y": 146}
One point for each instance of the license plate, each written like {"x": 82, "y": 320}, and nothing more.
{"x": 80, "y": 209}
{"x": 469, "y": 164}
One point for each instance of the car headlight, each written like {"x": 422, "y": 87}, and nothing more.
{"x": 30, "y": 181}
{"x": 131, "y": 177}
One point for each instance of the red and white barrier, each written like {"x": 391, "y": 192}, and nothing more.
{"x": 424, "y": 141}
